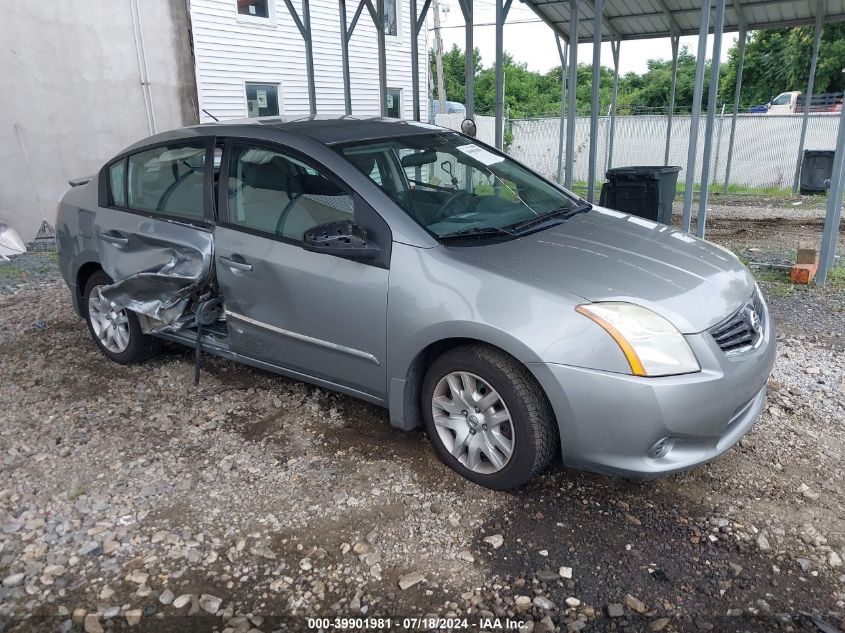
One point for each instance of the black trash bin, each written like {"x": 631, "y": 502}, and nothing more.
{"x": 816, "y": 170}
{"x": 644, "y": 191}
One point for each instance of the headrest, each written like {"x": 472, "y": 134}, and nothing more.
{"x": 272, "y": 175}
{"x": 364, "y": 162}
{"x": 317, "y": 185}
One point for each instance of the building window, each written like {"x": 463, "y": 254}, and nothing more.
{"x": 254, "y": 8}
{"x": 394, "y": 103}
{"x": 391, "y": 18}
{"x": 262, "y": 100}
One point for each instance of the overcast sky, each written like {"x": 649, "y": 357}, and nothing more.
{"x": 532, "y": 42}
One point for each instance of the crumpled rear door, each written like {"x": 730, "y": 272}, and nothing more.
{"x": 155, "y": 239}
{"x": 157, "y": 264}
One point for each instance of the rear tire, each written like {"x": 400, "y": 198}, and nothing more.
{"x": 117, "y": 332}
{"x": 487, "y": 417}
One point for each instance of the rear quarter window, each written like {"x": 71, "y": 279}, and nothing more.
{"x": 117, "y": 181}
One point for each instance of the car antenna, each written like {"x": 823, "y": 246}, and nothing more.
{"x": 209, "y": 114}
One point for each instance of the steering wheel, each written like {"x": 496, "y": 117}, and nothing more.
{"x": 453, "y": 198}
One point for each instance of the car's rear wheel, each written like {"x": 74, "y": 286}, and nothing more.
{"x": 488, "y": 417}
{"x": 115, "y": 330}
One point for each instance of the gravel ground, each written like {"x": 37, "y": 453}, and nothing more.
{"x": 30, "y": 269}
{"x": 764, "y": 229}
{"x": 131, "y": 498}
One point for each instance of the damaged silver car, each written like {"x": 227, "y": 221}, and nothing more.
{"x": 418, "y": 269}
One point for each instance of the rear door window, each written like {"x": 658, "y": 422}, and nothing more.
{"x": 168, "y": 181}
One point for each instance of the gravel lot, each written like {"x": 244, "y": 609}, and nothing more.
{"x": 132, "y": 499}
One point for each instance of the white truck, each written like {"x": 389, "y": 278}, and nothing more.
{"x": 793, "y": 103}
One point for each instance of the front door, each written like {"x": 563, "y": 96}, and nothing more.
{"x": 316, "y": 314}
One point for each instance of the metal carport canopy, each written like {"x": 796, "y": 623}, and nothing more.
{"x": 575, "y": 21}
{"x": 643, "y": 19}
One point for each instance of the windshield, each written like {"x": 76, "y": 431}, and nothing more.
{"x": 452, "y": 185}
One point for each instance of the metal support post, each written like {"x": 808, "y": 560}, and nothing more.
{"x": 704, "y": 23}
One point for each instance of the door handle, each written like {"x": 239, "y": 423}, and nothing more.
{"x": 113, "y": 238}
{"x": 234, "y": 263}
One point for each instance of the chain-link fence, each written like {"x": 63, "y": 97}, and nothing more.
{"x": 765, "y": 146}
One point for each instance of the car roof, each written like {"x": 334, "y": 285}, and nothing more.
{"x": 327, "y": 130}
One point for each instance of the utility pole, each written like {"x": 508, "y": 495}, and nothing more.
{"x": 438, "y": 53}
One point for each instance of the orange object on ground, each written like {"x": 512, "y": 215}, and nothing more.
{"x": 803, "y": 273}
{"x": 806, "y": 264}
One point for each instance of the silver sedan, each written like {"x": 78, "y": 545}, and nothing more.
{"x": 426, "y": 272}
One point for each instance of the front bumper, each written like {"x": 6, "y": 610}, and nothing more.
{"x": 610, "y": 422}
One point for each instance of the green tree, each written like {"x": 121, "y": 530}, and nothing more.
{"x": 775, "y": 61}
{"x": 454, "y": 72}
{"x": 650, "y": 92}
{"x": 778, "y": 60}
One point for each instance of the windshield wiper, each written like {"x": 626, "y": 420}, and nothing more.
{"x": 486, "y": 231}
{"x": 563, "y": 212}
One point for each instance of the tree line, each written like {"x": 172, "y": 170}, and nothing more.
{"x": 776, "y": 61}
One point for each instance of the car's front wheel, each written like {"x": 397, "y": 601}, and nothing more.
{"x": 488, "y": 417}
{"x": 115, "y": 330}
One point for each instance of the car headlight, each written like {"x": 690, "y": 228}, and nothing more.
{"x": 652, "y": 345}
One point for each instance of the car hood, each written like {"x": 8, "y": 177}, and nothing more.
{"x": 605, "y": 255}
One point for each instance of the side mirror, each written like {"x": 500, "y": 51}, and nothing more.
{"x": 342, "y": 238}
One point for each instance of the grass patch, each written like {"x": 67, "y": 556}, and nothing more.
{"x": 836, "y": 277}
{"x": 10, "y": 270}
{"x": 772, "y": 276}
{"x": 780, "y": 290}
{"x": 768, "y": 192}
{"x": 777, "y": 282}
{"x": 74, "y": 494}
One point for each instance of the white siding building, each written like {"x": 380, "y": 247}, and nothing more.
{"x": 250, "y": 59}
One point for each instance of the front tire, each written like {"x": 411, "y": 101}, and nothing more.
{"x": 116, "y": 331}
{"x": 487, "y": 417}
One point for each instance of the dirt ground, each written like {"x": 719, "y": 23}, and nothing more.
{"x": 252, "y": 502}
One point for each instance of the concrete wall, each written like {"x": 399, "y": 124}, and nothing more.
{"x": 71, "y": 93}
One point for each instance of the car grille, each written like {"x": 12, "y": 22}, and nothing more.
{"x": 744, "y": 329}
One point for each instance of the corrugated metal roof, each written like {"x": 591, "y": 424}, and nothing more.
{"x": 643, "y": 19}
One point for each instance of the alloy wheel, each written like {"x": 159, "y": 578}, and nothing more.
{"x": 473, "y": 422}
{"x": 109, "y": 322}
